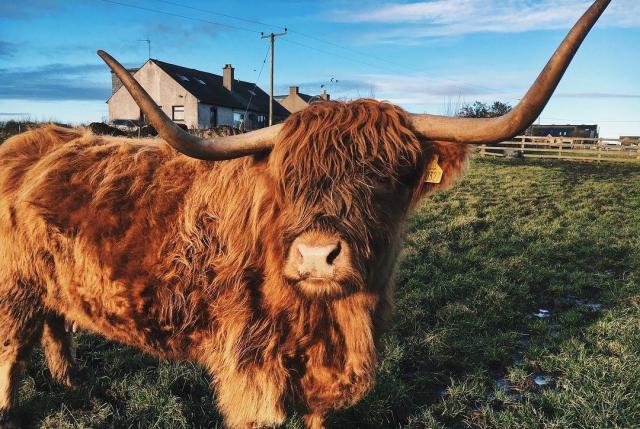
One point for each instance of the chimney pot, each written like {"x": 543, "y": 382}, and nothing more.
{"x": 294, "y": 90}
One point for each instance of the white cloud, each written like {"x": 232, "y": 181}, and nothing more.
{"x": 421, "y": 93}
{"x": 407, "y": 22}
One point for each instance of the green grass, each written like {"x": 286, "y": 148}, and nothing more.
{"x": 464, "y": 350}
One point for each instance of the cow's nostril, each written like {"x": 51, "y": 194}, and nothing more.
{"x": 317, "y": 260}
{"x": 333, "y": 254}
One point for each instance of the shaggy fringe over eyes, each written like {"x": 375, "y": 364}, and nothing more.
{"x": 321, "y": 140}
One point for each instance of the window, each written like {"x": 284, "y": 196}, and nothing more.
{"x": 200, "y": 81}
{"x": 178, "y": 113}
{"x": 183, "y": 78}
{"x": 238, "y": 120}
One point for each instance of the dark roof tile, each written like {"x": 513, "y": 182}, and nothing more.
{"x": 208, "y": 88}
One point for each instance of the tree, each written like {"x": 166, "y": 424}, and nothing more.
{"x": 483, "y": 110}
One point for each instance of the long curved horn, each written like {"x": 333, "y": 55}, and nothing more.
{"x": 493, "y": 130}
{"x": 214, "y": 149}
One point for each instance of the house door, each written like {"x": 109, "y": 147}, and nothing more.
{"x": 213, "y": 117}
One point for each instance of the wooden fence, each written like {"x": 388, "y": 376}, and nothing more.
{"x": 568, "y": 148}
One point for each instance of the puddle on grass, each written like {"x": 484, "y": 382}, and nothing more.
{"x": 593, "y": 307}
{"x": 543, "y": 380}
{"x": 539, "y": 380}
{"x": 542, "y": 314}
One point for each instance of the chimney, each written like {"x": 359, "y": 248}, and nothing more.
{"x": 227, "y": 76}
{"x": 294, "y": 90}
{"x": 324, "y": 95}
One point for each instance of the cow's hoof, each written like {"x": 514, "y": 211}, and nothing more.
{"x": 72, "y": 380}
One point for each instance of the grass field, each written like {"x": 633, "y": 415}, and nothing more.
{"x": 518, "y": 306}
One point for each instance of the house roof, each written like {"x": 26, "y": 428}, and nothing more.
{"x": 307, "y": 98}
{"x": 208, "y": 88}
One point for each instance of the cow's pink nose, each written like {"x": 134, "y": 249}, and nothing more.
{"x": 317, "y": 260}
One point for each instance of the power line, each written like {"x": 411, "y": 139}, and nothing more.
{"x": 344, "y": 57}
{"x": 235, "y": 27}
{"x": 255, "y": 85}
{"x": 342, "y": 47}
{"x": 336, "y": 55}
{"x": 197, "y": 9}
{"x": 299, "y": 33}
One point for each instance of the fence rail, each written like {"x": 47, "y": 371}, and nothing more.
{"x": 567, "y": 148}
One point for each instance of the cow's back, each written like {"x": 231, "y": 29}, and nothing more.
{"x": 87, "y": 221}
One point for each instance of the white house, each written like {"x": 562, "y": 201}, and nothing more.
{"x": 196, "y": 98}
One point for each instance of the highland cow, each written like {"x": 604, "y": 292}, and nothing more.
{"x": 266, "y": 257}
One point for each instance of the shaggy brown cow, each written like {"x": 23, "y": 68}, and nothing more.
{"x": 274, "y": 271}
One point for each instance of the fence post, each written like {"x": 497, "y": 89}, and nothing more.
{"x": 560, "y": 149}
{"x": 599, "y": 151}
{"x": 482, "y": 148}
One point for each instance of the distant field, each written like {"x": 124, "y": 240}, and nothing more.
{"x": 469, "y": 346}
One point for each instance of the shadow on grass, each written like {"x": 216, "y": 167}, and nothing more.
{"x": 119, "y": 388}
{"x": 465, "y": 347}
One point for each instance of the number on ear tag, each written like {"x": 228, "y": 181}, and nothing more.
{"x": 434, "y": 171}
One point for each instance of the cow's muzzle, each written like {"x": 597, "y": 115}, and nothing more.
{"x": 317, "y": 256}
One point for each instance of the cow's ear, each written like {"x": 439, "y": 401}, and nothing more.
{"x": 444, "y": 163}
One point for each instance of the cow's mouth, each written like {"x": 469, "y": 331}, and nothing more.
{"x": 318, "y": 281}
{"x": 319, "y": 287}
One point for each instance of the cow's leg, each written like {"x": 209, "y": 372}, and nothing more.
{"x": 250, "y": 399}
{"x": 10, "y": 370}
{"x": 20, "y": 328}
{"x": 58, "y": 349}
{"x": 314, "y": 421}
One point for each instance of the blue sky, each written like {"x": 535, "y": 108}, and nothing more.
{"x": 428, "y": 56}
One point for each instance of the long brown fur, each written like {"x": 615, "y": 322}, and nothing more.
{"x": 184, "y": 258}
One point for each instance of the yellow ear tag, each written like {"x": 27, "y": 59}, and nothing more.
{"x": 434, "y": 171}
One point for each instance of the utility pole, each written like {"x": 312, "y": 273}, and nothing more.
{"x": 272, "y": 39}
{"x": 148, "y": 45}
